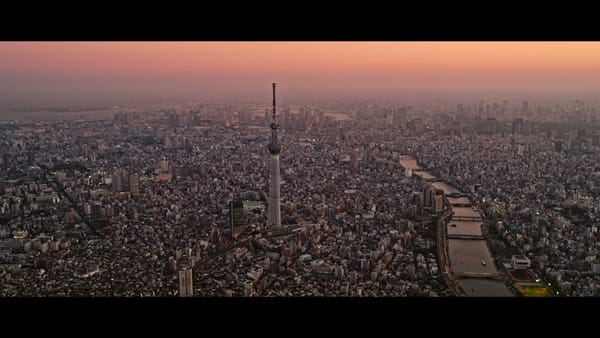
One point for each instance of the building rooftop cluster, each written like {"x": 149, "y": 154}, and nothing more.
{"x": 539, "y": 199}
{"x": 117, "y": 207}
{"x": 328, "y": 259}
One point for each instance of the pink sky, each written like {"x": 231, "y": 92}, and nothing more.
{"x": 60, "y": 68}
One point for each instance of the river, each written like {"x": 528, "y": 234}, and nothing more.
{"x": 466, "y": 255}
{"x": 448, "y": 189}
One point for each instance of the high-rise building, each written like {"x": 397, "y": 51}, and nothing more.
{"x": 428, "y": 196}
{"x": 267, "y": 117}
{"x": 286, "y": 118}
{"x": 321, "y": 117}
{"x": 168, "y": 142}
{"x": 456, "y": 128}
{"x": 164, "y": 165}
{"x": 185, "y": 282}
{"x": 5, "y": 159}
{"x": 121, "y": 118}
{"x": 134, "y": 184}
{"x": 96, "y": 210}
{"x": 558, "y": 146}
{"x": 30, "y": 158}
{"x": 400, "y": 116}
{"x": 438, "y": 201}
{"x": 525, "y": 108}
{"x": 236, "y": 216}
{"x": 307, "y": 117}
{"x": 416, "y": 126}
{"x": 274, "y": 216}
{"x": 187, "y": 145}
{"x": 518, "y": 126}
{"x": 354, "y": 161}
{"x": 248, "y": 289}
{"x": 245, "y": 117}
{"x": 367, "y": 154}
{"x": 389, "y": 115}
{"x": 119, "y": 181}
{"x": 490, "y": 126}
{"x": 418, "y": 202}
{"x": 172, "y": 264}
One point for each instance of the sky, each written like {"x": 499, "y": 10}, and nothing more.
{"x": 59, "y": 73}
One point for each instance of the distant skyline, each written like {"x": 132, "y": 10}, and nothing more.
{"x": 63, "y": 73}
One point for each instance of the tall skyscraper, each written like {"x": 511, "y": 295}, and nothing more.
{"x": 134, "y": 184}
{"x": 5, "y": 159}
{"x": 354, "y": 161}
{"x": 438, "y": 200}
{"x": 120, "y": 181}
{"x": 266, "y": 117}
{"x": 286, "y": 118}
{"x": 517, "y": 126}
{"x": 236, "y": 216}
{"x": 274, "y": 216}
{"x": 185, "y": 282}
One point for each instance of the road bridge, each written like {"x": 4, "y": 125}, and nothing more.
{"x": 472, "y": 237}
{"x": 467, "y": 218}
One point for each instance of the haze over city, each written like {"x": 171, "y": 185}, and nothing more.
{"x": 76, "y": 73}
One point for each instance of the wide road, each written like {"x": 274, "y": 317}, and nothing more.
{"x": 63, "y": 195}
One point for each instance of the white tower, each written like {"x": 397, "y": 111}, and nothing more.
{"x": 274, "y": 216}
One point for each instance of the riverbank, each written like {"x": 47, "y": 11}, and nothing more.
{"x": 465, "y": 254}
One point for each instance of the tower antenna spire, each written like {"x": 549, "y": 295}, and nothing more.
{"x": 274, "y": 112}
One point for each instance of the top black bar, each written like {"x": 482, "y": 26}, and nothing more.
{"x": 430, "y": 20}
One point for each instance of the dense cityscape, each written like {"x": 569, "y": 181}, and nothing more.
{"x": 377, "y": 198}
{"x": 299, "y": 169}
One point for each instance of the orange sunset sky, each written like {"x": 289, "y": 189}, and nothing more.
{"x": 63, "y": 70}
